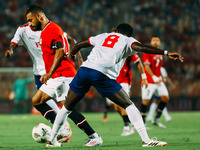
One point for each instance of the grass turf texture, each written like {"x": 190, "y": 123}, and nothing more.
{"x": 182, "y": 133}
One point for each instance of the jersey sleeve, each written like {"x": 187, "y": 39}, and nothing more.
{"x": 28, "y": 80}
{"x": 135, "y": 58}
{"x": 131, "y": 41}
{"x": 93, "y": 40}
{"x": 55, "y": 39}
{"x": 146, "y": 59}
{"x": 17, "y": 39}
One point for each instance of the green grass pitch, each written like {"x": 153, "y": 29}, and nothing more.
{"x": 182, "y": 133}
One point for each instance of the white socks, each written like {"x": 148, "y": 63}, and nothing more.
{"x": 60, "y": 119}
{"x": 152, "y": 110}
{"x": 53, "y": 105}
{"x": 165, "y": 113}
{"x": 136, "y": 119}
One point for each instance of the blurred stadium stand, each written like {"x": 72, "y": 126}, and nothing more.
{"x": 175, "y": 22}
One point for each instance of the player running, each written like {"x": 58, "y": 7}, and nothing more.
{"x": 152, "y": 66}
{"x": 100, "y": 70}
{"x": 125, "y": 80}
{"x": 157, "y": 99}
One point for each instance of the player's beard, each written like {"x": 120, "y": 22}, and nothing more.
{"x": 38, "y": 26}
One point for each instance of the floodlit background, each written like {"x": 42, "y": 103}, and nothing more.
{"x": 175, "y": 22}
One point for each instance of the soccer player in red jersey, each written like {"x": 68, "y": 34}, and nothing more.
{"x": 60, "y": 70}
{"x": 125, "y": 80}
{"x": 152, "y": 66}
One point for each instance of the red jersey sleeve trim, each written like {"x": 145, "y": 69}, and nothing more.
{"x": 133, "y": 43}
{"x": 89, "y": 41}
{"x": 14, "y": 43}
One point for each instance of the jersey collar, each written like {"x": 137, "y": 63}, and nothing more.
{"x": 46, "y": 25}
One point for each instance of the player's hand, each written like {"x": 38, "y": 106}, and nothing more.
{"x": 175, "y": 56}
{"x": 156, "y": 79}
{"x": 8, "y": 53}
{"x": 73, "y": 57}
{"x": 44, "y": 78}
{"x": 145, "y": 83}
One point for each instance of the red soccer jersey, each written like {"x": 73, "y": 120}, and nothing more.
{"x": 51, "y": 34}
{"x": 155, "y": 62}
{"x": 125, "y": 75}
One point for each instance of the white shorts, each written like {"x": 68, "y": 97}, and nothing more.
{"x": 57, "y": 88}
{"x": 157, "y": 89}
{"x": 125, "y": 86}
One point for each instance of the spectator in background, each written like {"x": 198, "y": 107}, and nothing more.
{"x": 21, "y": 97}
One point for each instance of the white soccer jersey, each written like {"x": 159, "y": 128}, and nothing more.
{"x": 28, "y": 38}
{"x": 163, "y": 72}
{"x": 109, "y": 53}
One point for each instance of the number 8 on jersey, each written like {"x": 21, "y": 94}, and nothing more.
{"x": 110, "y": 41}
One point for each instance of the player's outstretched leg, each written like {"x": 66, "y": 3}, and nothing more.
{"x": 122, "y": 99}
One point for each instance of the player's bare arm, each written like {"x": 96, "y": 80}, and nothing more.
{"x": 72, "y": 42}
{"x": 9, "y": 51}
{"x": 150, "y": 72}
{"x": 77, "y": 47}
{"x": 144, "y": 77}
{"x": 80, "y": 58}
{"x": 153, "y": 50}
{"x": 59, "y": 55}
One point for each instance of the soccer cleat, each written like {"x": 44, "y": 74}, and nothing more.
{"x": 56, "y": 144}
{"x": 154, "y": 143}
{"x": 158, "y": 123}
{"x": 127, "y": 132}
{"x": 105, "y": 119}
{"x": 94, "y": 142}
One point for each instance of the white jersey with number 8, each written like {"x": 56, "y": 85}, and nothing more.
{"x": 109, "y": 53}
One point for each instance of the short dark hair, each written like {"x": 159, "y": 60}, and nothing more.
{"x": 125, "y": 28}
{"x": 34, "y": 9}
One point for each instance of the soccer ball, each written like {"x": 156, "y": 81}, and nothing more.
{"x": 41, "y": 133}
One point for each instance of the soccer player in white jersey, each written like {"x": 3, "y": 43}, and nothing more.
{"x": 157, "y": 99}
{"x": 101, "y": 69}
{"x": 29, "y": 38}
{"x": 28, "y": 35}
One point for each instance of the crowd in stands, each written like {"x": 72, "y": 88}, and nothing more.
{"x": 175, "y": 22}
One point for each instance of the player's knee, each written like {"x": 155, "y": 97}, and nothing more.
{"x": 36, "y": 100}
{"x": 145, "y": 102}
{"x": 165, "y": 99}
